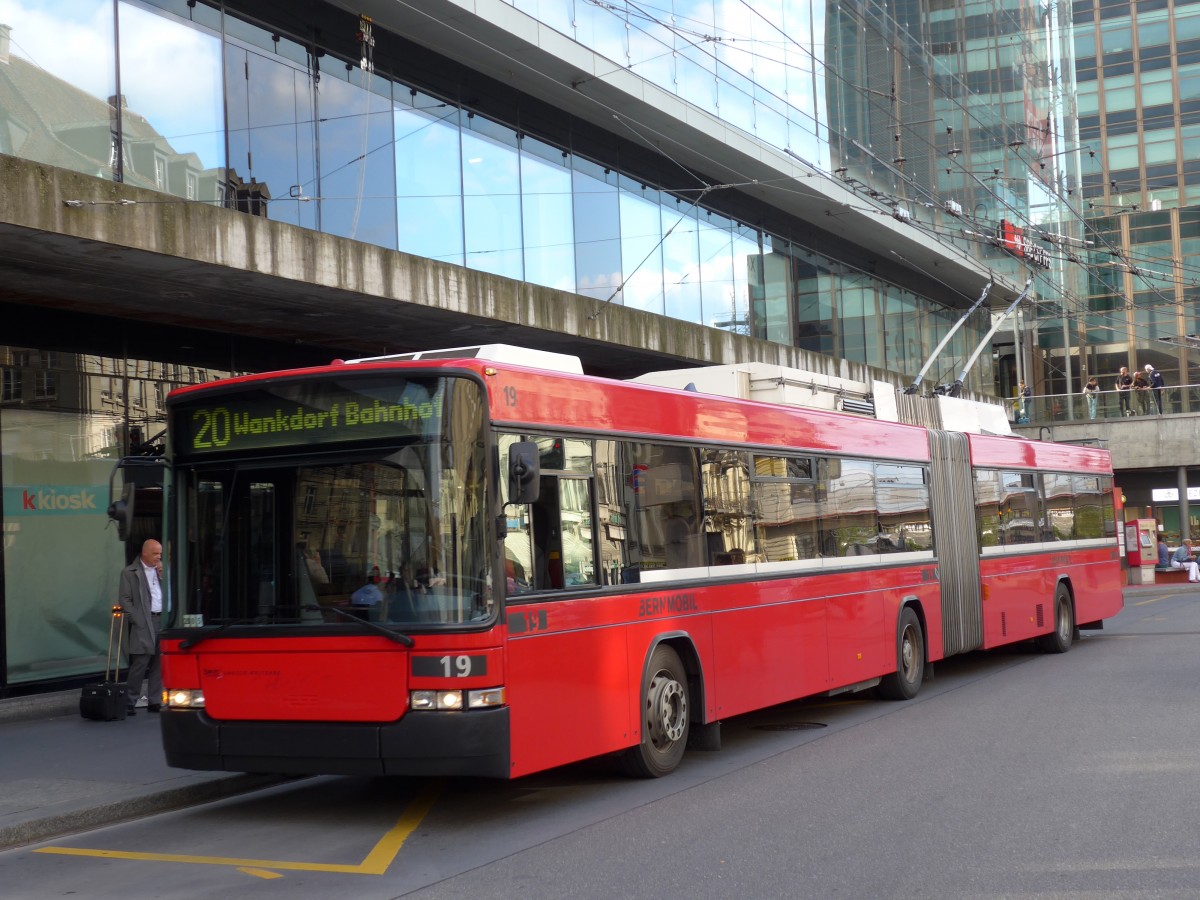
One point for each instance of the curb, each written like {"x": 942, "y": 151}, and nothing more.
{"x": 133, "y": 807}
{"x": 39, "y": 706}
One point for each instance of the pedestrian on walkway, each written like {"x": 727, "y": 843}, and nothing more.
{"x": 1025, "y": 395}
{"x": 141, "y": 597}
{"x": 1157, "y": 383}
{"x": 1124, "y": 385}
{"x": 1183, "y": 558}
{"x": 1091, "y": 391}
{"x": 1141, "y": 393}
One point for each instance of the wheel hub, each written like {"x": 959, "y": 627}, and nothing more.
{"x": 668, "y": 710}
{"x": 907, "y": 653}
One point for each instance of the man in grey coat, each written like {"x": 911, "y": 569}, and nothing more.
{"x": 141, "y": 599}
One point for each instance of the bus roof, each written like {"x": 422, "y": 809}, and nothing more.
{"x": 523, "y": 397}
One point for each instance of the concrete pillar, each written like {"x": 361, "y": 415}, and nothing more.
{"x": 1181, "y": 478}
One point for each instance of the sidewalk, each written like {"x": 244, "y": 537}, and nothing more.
{"x": 60, "y": 773}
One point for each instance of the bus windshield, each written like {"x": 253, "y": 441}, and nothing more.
{"x": 389, "y": 529}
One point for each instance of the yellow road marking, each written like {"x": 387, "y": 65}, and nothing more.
{"x": 376, "y": 862}
{"x": 259, "y": 873}
{"x": 1151, "y": 600}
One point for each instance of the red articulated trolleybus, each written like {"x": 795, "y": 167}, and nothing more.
{"x": 446, "y": 565}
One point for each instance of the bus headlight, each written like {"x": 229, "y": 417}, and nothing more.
{"x": 486, "y": 698}
{"x": 457, "y": 700}
{"x": 184, "y": 699}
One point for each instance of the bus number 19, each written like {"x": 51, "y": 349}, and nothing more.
{"x": 459, "y": 666}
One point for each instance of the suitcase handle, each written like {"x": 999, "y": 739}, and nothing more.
{"x": 117, "y": 624}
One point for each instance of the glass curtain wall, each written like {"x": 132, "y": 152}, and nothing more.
{"x": 60, "y": 108}
{"x": 1139, "y": 118}
{"x": 171, "y": 105}
{"x": 65, "y": 418}
{"x": 210, "y": 108}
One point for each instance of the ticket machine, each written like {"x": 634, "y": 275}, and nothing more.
{"x": 1141, "y": 545}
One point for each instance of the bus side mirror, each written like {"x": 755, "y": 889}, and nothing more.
{"x": 121, "y": 511}
{"x": 524, "y": 476}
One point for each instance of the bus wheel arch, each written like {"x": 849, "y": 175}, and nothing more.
{"x": 666, "y": 704}
{"x": 1064, "y": 630}
{"x": 912, "y": 655}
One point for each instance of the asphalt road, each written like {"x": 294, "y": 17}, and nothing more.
{"x": 1013, "y": 774}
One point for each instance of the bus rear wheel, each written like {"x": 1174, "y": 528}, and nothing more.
{"x": 904, "y": 683}
{"x": 1059, "y": 640}
{"x": 665, "y": 718}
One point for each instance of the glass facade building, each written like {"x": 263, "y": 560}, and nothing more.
{"x": 946, "y": 118}
{"x": 1139, "y": 124}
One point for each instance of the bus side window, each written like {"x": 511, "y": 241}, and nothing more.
{"x": 518, "y": 542}
{"x": 550, "y": 543}
{"x": 728, "y": 511}
{"x": 547, "y": 537}
{"x": 610, "y": 531}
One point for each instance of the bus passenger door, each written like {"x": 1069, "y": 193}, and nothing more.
{"x": 567, "y": 667}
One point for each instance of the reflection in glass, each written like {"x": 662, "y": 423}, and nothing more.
{"x": 735, "y": 91}
{"x": 604, "y": 29}
{"x": 728, "y": 511}
{"x": 597, "y": 231}
{"x": 575, "y": 511}
{"x": 903, "y": 499}
{"x": 666, "y": 523}
{"x": 649, "y": 57}
{"x": 641, "y": 247}
{"x": 716, "y": 275}
{"x": 856, "y": 307}
{"x": 681, "y": 261}
{"x": 613, "y": 491}
{"x": 694, "y": 64}
{"x": 58, "y": 107}
{"x": 66, "y": 418}
{"x": 747, "y": 276}
{"x": 848, "y": 510}
{"x": 1060, "y": 507}
{"x": 774, "y": 314}
{"x": 491, "y": 178}
{"x": 428, "y": 178}
{"x": 393, "y": 534}
{"x": 172, "y": 110}
{"x": 1019, "y": 508}
{"x": 814, "y": 308}
{"x": 271, "y": 132}
{"x": 547, "y": 222}
{"x": 357, "y": 163}
{"x": 786, "y": 511}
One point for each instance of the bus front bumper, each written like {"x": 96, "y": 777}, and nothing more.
{"x": 473, "y": 743}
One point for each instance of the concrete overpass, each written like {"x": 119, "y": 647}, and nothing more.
{"x": 79, "y": 254}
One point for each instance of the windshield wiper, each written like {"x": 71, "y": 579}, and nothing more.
{"x": 398, "y": 636}
{"x": 205, "y": 635}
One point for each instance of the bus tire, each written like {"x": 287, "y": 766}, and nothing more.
{"x": 904, "y": 683}
{"x": 1059, "y": 640}
{"x": 665, "y": 718}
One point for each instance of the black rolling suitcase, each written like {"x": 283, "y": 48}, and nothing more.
{"x": 106, "y": 700}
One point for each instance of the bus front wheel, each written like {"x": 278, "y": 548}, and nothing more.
{"x": 904, "y": 683}
{"x": 1059, "y": 640}
{"x": 664, "y": 717}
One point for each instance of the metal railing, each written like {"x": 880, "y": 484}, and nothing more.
{"x": 1078, "y": 407}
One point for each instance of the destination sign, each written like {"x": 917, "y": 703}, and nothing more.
{"x": 308, "y": 413}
